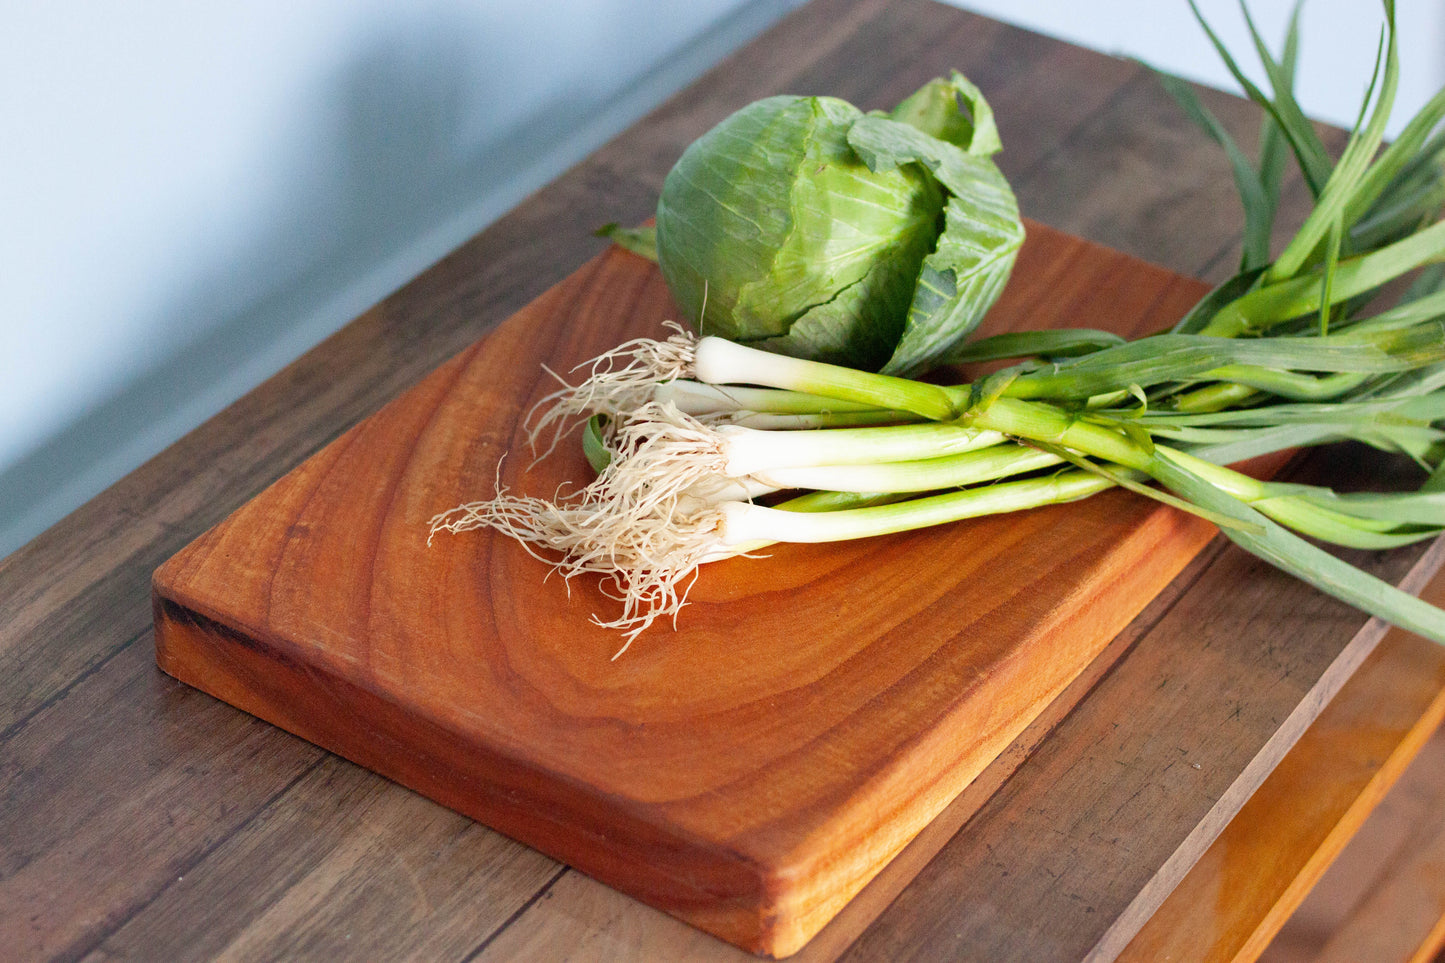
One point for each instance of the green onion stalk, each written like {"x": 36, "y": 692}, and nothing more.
{"x": 718, "y": 444}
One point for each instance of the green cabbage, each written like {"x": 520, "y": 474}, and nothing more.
{"x": 805, "y": 226}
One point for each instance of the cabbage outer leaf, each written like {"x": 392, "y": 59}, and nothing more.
{"x": 964, "y": 275}
{"x": 953, "y": 110}
{"x": 839, "y": 287}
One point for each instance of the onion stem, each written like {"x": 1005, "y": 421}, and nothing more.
{"x": 744, "y": 522}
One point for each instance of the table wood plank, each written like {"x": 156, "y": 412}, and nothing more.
{"x": 1384, "y": 898}
{"x": 1252, "y": 878}
{"x": 112, "y": 792}
{"x": 417, "y": 881}
{"x": 180, "y": 790}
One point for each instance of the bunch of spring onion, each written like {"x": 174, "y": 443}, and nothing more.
{"x": 692, "y": 436}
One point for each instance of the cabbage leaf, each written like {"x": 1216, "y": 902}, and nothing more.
{"x": 804, "y": 226}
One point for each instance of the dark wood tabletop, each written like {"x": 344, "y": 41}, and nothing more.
{"x": 144, "y": 820}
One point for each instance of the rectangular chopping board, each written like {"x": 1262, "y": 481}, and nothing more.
{"x": 748, "y": 771}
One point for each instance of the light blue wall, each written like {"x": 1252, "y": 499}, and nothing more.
{"x": 194, "y": 193}
{"x": 1339, "y": 39}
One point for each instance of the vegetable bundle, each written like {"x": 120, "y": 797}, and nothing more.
{"x": 692, "y": 435}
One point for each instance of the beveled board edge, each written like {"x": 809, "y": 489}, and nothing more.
{"x": 265, "y": 680}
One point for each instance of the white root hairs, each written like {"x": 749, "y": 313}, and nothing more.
{"x": 617, "y": 382}
{"x": 659, "y": 453}
{"x": 639, "y": 524}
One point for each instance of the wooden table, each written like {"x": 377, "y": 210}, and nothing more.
{"x": 139, "y": 818}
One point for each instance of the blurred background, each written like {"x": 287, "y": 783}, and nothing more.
{"x": 194, "y": 194}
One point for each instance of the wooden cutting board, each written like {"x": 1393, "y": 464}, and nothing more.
{"x": 751, "y": 770}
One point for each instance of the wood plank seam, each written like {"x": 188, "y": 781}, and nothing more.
{"x": 1272, "y": 853}
{"x": 562, "y": 870}
{"x": 1014, "y": 908}
{"x": 1226, "y": 251}
{"x": 98, "y": 940}
{"x": 71, "y": 685}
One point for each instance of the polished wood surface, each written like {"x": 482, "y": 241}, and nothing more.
{"x": 1383, "y": 900}
{"x": 141, "y": 818}
{"x": 750, "y": 770}
{"x": 1255, "y": 875}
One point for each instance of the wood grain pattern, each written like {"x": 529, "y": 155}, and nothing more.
{"x": 1384, "y": 898}
{"x": 213, "y": 807}
{"x": 752, "y": 771}
{"x": 582, "y": 913}
{"x": 1261, "y": 867}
